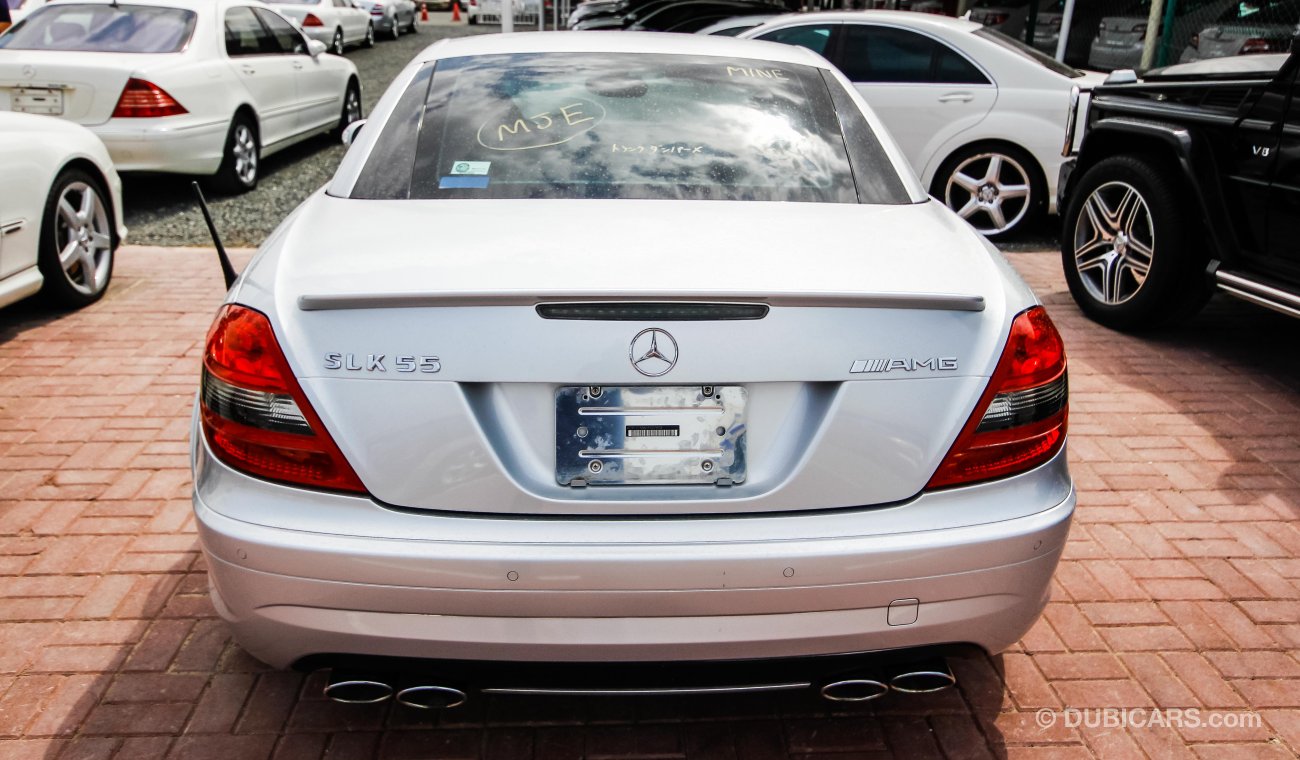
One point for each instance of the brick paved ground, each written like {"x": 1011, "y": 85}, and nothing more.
{"x": 1179, "y": 587}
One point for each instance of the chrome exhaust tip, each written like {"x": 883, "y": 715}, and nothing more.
{"x": 924, "y": 678}
{"x": 855, "y": 690}
{"x": 355, "y": 690}
{"x": 431, "y": 697}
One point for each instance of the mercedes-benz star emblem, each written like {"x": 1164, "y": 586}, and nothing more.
{"x": 653, "y": 352}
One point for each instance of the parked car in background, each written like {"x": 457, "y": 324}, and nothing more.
{"x": 1120, "y": 38}
{"x": 689, "y": 16}
{"x": 1186, "y": 181}
{"x": 491, "y": 9}
{"x": 651, "y": 479}
{"x": 391, "y": 17}
{"x": 60, "y": 211}
{"x": 205, "y": 87}
{"x": 1247, "y": 28}
{"x": 337, "y": 23}
{"x": 730, "y": 27}
{"x": 978, "y": 114}
{"x": 1006, "y": 16}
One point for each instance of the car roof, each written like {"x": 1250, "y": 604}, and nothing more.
{"x": 619, "y": 42}
{"x": 907, "y": 18}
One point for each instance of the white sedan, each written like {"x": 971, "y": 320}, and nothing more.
{"x": 205, "y": 87}
{"x": 337, "y": 23}
{"x": 60, "y": 211}
{"x": 391, "y": 17}
{"x": 980, "y": 116}
{"x": 693, "y": 371}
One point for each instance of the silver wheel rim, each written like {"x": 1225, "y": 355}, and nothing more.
{"x": 370, "y": 35}
{"x": 83, "y": 238}
{"x": 991, "y": 191}
{"x": 1114, "y": 243}
{"x": 352, "y": 106}
{"x": 244, "y": 152}
{"x": 338, "y": 43}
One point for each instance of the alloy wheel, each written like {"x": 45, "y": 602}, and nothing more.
{"x": 83, "y": 238}
{"x": 337, "y": 46}
{"x": 244, "y": 151}
{"x": 991, "y": 191}
{"x": 351, "y": 106}
{"x": 1114, "y": 243}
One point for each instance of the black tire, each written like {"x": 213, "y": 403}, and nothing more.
{"x": 336, "y": 47}
{"x": 369, "y": 41}
{"x": 352, "y": 110}
{"x": 413, "y": 28}
{"x": 471, "y": 20}
{"x": 1152, "y": 227}
{"x": 235, "y": 174}
{"x": 1015, "y": 168}
{"x": 90, "y": 264}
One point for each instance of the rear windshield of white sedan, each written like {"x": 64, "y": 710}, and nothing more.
{"x": 103, "y": 29}
{"x": 603, "y": 125}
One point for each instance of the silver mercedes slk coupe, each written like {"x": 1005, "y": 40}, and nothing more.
{"x": 635, "y": 349}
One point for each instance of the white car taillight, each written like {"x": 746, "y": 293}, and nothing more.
{"x": 1020, "y": 421}
{"x": 254, "y": 414}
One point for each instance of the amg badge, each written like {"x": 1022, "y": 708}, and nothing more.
{"x": 934, "y": 364}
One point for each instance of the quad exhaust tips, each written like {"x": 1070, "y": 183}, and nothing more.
{"x": 353, "y": 688}
{"x": 923, "y": 677}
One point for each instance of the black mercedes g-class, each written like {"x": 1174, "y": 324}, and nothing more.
{"x": 1185, "y": 181}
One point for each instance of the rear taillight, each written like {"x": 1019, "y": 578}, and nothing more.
{"x": 253, "y": 411}
{"x": 1260, "y": 45}
{"x": 1020, "y": 420}
{"x": 993, "y": 19}
{"x": 1141, "y": 30}
{"x": 144, "y": 100}
{"x": 312, "y": 20}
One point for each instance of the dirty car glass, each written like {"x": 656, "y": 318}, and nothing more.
{"x": 103, "y": 29}
{"x": 592, "y": 125}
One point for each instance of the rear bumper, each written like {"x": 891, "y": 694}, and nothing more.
{"x": 1110, "y": 58}
{"x": 176, "y": 145}
{"x": 551, "y": 591}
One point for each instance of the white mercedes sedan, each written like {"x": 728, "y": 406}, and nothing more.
{"x": 337, "y": 23}
{"x": 203, "y": 87}
{"x": 60, "y": 211}
{"x": 693, "y": 373}
{"x": 979, "y": 115}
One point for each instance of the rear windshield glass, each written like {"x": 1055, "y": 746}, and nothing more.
{"x": 103, "y": 29}
{"x": 1027, "y": 51}
{"x": 595, "y": 125}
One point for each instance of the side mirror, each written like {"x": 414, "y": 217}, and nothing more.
{"x": 350, "y": 131}
{"x": 315, "y": 48}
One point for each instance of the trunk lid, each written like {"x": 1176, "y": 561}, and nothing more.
{"x": 89, "y": 84}
{"x": 883, "y": 325}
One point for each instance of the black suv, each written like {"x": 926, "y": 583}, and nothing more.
{"x": 1183, "y": 184}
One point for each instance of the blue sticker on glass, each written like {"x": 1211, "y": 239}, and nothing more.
{"x": 468, "y": 182}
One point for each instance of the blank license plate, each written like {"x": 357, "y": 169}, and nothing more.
{"x": 43, "y": 100}
{"x": 637, "y": 435}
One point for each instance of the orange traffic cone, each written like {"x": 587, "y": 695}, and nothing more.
{"x": 455, "y": 11}
{"x": 424, "y": 11}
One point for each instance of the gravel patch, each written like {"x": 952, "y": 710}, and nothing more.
{"x": 160, "y": 209}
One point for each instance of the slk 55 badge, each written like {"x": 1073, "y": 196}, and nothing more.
{"x": 375, "y": 363}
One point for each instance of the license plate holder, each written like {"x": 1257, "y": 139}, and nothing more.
{"x": 40, "y": 100}
{"x": 650, "y": 435}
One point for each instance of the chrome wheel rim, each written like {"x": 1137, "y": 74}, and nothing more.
{"x": 1114, "y": 243}
{"x": 338, "y": 43}
{"x": 351, "y": 106}
{"x": 991, "y": 191}
{"x": 244, "y": 152}
{"x": 84, "y": 238}
{"x": 370, "y": 35}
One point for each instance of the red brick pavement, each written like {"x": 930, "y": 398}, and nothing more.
{"x": 1178, "y": 590}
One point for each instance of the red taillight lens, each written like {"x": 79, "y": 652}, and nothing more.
{"x": 1259, "y": 45}
{"x": 254, "y": 414}
{"x": 312, "y": 20}
{"x": 143, "y": 100}
{"x": 1020, "y": 421}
